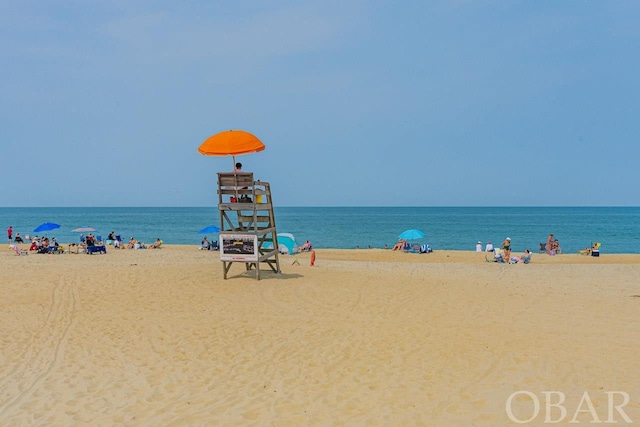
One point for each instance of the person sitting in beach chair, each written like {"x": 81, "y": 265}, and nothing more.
{"x": 590, "y": 250}
{"x": 156, "y": 244}
{"x": 18, "y": 251}
{"x": 399, "y": 246}
{"x": 497, "y": 256}
{"x": 93, "y": 247}
{"x": 205, "y": 245}
{"x": 111, "y": 238}
{"x": 53, "y": 247}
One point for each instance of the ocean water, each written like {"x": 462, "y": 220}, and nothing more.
{"x": 458, "y": 228}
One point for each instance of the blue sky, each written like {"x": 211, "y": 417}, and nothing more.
{"x": 359, "y": 103}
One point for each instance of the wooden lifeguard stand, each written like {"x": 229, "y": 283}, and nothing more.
{"x": 247, "y": 223}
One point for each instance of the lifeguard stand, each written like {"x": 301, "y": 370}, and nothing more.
{"x": 247, "y": 223}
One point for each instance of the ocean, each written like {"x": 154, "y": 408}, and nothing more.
{"x": 457, "y": 228}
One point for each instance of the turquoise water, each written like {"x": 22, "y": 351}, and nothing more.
{"x": 618, "y": 228}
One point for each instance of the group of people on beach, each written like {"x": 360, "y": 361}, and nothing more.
{"x": 17, "y": 238}
{"x": 505, "y": 245}
{"x": 116, "y": 241}
{"x": 503, "y": 253}
{"x": 552, "y": 246}
{"x": 46, "y": 245}
{"x": 206, "y": 245}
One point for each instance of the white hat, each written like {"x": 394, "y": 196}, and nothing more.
{"x": 479, "y": 242}
{"x": 508, "y": 238}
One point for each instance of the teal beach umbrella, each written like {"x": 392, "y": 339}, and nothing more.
{"x": 411, "y": 234}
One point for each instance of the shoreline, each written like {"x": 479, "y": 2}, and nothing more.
{"x": 463, "y": 256}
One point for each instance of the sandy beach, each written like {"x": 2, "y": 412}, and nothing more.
{"x": 365, "y": 337}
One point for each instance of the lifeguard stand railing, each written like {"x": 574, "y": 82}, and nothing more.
{"x": 247, "y": 223}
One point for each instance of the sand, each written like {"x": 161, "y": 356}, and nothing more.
{"x": 365, "y": 337}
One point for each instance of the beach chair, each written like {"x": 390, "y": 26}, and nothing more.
{"x": 595, "y": 250}
{"x": 497, "y": 256}
{"x": 93, "y": 248}
{"x": 415, "y": 248}
{"x": 543, "y": 248}
{"x": 425, "y": 249}
{"x": 18, "y": 251}
{"x": 99, "y": 249}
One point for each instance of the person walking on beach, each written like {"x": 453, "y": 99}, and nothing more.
{"x": 10, "y": 233}
{"x": 506, "y": 246}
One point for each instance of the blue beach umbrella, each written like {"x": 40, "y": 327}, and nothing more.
{"x": 47, "y": 226}
{"x": 210, "y": 229}
{"x": 411, "y": 234}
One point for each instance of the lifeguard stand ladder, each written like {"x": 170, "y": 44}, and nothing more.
{"x": 246, "y": 210}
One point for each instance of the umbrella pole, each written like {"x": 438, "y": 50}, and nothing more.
{"x": 235, "y": 176}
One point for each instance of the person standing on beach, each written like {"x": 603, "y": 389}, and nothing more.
{"x": 506, "y": 246}
{"x": 549, "y": 245}
{"x": 10, "y": 233}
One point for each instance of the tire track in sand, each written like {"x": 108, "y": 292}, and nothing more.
{"x": 44, "y": 353}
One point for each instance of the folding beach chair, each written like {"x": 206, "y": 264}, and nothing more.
{"x": 18, "y": 251}
{"x": 497, "y": 256}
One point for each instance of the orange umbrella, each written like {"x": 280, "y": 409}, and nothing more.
{"x": 231, "y": 143}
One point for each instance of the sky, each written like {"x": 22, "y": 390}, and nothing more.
{"x": 359, "y": 103}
